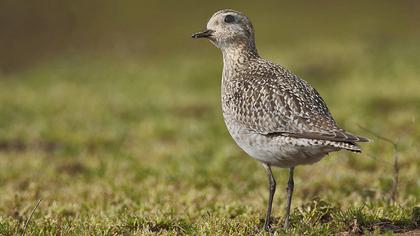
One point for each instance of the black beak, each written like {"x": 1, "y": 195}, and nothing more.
{"x": 204, "y": 34}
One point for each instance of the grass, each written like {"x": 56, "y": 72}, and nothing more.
{"x": 124, "y": 146}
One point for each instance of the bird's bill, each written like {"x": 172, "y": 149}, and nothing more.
{"x": 204, "y": 34}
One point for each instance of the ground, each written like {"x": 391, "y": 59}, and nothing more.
{"x": 121, "y": 145}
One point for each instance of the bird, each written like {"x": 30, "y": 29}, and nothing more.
{"x": 273, "y": 115}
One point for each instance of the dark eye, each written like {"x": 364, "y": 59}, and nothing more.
{"x": 229, "y": 19}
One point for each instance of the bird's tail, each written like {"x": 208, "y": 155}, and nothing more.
{"x": 349, "y": 146}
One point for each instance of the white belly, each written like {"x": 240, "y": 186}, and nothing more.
{"x": 279, "y": 150}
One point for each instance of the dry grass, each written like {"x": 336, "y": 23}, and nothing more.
{"x": 124, "y": 148}
{"x": 121, "y": 145}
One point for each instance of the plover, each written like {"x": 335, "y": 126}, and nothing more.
{"x": 273, "y": 115}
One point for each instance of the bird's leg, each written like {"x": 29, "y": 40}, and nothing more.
{"x": 272, "y": 190}
{"x": 290, "y": 185}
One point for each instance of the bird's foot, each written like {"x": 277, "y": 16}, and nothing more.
{"x": 286, "y": 224}
{"x": 268, "y": 229}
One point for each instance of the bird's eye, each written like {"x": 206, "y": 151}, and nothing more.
{"x": 229, "y": 19}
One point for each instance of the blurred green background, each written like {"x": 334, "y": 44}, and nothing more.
{"x": 110, "y": 113}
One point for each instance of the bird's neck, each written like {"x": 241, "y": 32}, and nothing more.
{"x": 239, "y": 54}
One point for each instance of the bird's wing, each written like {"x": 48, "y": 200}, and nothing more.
{"x": 274, "y": 101}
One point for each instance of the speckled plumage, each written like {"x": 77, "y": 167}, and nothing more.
{"x": 272, "y": 114}
{"x": 268, "y": 109}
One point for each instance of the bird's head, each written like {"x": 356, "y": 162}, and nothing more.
{"x": 228, "y": 28}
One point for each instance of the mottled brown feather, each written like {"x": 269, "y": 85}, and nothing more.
{"x": 271, "y": 100}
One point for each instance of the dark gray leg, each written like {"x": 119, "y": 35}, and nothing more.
{"x": 290, "y": 186}
{"x": 272, "y": 190}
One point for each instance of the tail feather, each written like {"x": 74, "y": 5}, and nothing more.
{"x": 349, "y": 146}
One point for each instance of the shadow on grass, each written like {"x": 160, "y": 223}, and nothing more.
{"x": 322, "y": 218}
{"x": 363, "y": 223}
{"x": 380, "y": 226}
{"x": 132, "y": 225}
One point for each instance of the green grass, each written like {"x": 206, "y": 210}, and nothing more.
{"x": 123, "y": 147}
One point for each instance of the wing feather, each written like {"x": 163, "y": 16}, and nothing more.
{"x": 274, "y": 101}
